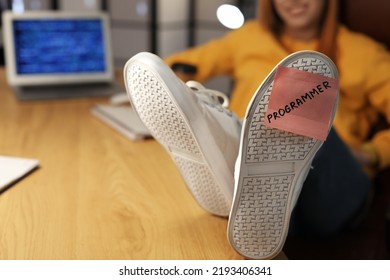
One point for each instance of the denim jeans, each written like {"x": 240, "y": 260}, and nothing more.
{"x": 334, "y": 193}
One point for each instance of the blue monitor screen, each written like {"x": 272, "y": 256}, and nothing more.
{"x": 59, "y": 46}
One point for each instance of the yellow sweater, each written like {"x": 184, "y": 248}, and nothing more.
{"x": 250, "y": 53}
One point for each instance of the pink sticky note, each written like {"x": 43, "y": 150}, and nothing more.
{"x": 302, "y": 102}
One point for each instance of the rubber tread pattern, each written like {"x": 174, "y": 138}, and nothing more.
{"x": 258, "y": 225}
{"x": 167, "y": 124}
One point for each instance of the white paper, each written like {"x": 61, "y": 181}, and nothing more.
{"x": 13, "y": 168}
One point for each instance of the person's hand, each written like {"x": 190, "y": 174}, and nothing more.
{"x": 366, "y": 155}
{"x": 185, "y": 72}
{"x": 184, "y": 76}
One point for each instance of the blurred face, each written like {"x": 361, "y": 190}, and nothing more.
{"x": 300, "y": 14}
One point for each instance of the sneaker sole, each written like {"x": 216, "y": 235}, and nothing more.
{"x": 273, "y": 165}
{"x": 162, "y": 103}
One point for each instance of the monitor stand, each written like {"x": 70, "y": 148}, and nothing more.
{"x": 67, "y": 91}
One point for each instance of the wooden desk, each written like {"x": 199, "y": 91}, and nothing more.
{"x": 96, "y": 195}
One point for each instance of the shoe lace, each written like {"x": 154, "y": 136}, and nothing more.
{"x": 211, "y": 97}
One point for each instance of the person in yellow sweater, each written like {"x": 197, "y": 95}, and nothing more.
{"x": 336, "y": 190}
{"x": 275, "y": 190}
{"x": 249, "y": 54}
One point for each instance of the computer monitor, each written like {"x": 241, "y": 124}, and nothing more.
{"x": 57, "y": 48}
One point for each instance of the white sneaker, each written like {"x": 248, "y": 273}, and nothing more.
{"x": 271, "y": 168}
{"x": 201, "y": 136}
